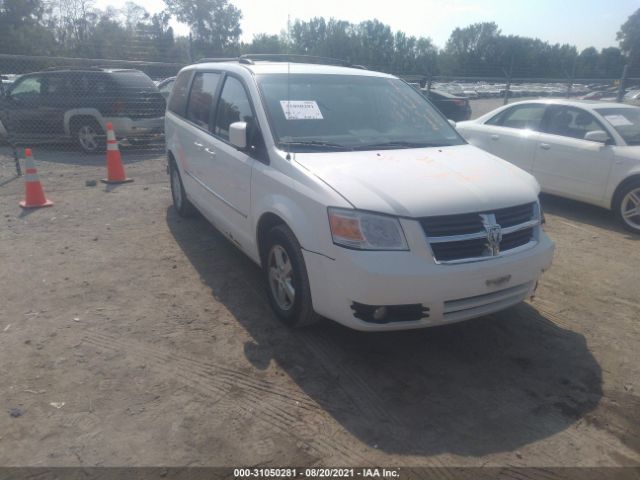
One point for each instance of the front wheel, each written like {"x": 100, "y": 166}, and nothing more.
{"x": 627, "y": 206}
{"x": 286, "y": 279}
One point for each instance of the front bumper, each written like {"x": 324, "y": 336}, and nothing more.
{"x": 450, "y": 292}
{"x": 125, "y": 127}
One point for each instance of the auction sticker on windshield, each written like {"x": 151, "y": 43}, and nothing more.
{"x": 301, "y": 110}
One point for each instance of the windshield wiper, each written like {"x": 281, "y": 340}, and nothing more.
{"x": 315, "y": 144}
{"x": 400, "y": 144}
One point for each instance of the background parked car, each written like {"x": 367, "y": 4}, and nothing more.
{"x": 632, "y": 97}
{"x": 165, "y": 87}
{"x": 77, "y": 104}
{"x": 452, "y": 106}
{"x": 584, "y": 150}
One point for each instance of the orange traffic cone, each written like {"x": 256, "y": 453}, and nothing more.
{"x": 34, "y": 194}
{"x": 115, "y": 170}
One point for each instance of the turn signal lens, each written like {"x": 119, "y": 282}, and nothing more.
{"x": 346, "y": 228}
{"x": 366, "y": 231}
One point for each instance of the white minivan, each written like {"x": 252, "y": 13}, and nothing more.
{"x": 358, "y": 199}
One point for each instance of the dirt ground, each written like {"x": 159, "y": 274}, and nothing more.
{"x": 129, "y": 336}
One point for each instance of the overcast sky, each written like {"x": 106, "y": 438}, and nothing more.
{"x": 578, "y": 22}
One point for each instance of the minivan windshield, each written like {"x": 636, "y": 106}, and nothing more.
{"x": 626, "y": 121}
{"x": 322, "y": 112}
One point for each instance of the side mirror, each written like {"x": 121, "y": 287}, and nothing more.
{"x": 452, "y": 123}
{"x": 238, "y": 134}
{"x": 599, "y": 136}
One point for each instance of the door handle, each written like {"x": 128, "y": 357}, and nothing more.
{"x": 545, "y": 146}
{"x": 495, "y": 137}
{"x": 199, "y": 145}
{"x": 210, "y": 152}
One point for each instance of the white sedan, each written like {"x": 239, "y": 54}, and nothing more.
{"x": 584, "y": 150}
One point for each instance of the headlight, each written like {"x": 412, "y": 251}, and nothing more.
{"x": 366, "y": 231}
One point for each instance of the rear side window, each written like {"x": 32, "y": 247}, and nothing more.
{"x": 90, "y": 84}
{"x": 134, "y": 81}
{"x": 571, "y": 122}
{"x": 203, "y": 93}
{"x": 234, "y": 106}
{"x": 29, "y": 87}
{"x": 178, "y": 98}
{"x": 56, "y": 85}
{"x": 521, "y": 116}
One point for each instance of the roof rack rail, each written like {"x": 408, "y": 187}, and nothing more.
{"x": 225, "y": 59}
{"x": 52, "y": 69}
{"x": 111, "y": 67}
{"x": 294, "y": 58}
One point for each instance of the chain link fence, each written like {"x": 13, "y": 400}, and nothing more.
{"x": 69, "y": 101}
{"x": 55, "y": 101}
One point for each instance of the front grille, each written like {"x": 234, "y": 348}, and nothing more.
{"x": 508, "y": 217}
{"x": 516, "y": 239}
{"x": 464, "y": 236}
{"x": 448, "y": 251}
{"x": 451, "y": 225}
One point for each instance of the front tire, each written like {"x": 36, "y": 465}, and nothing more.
{"x": 180, "y": 201}
{"x": 286, "y": 279}
{"x": 627, "y": 206}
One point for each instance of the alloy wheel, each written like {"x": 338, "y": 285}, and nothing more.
{"x": 281, "y": 277}
{"x": 88, "y": 138}
{"x": 630, "y": 208}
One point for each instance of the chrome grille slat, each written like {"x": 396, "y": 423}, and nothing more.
{"x": 451, "y": 306}
{"x": 460, "y": 309}
{"x": 460, "y": 237}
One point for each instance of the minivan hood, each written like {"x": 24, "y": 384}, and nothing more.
{"x": 423, "y": 182}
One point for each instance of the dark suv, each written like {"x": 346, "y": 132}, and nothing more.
{"x": 77, "y": 104}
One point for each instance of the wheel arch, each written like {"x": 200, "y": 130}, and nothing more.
{"x": 266, "y": 222}
{"x": 634, "y": 177}
{"x": 71, "y": 115}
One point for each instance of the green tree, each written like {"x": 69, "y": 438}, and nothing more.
{"x": 264, "y": 43}
{"x": 215, "y": 24}
{"x": 587, "y": 63}
{"x": 610, "y": 62}
{"x": 629, "y": 38}
{"x": 23, "y": 29}
{"x": 471, "y": 49}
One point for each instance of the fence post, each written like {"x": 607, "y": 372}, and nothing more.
{"x": 16, "y": 160}
{"x": 507, "y": 88}
{"x": 429, "y": 82}
{"x": 623, "y": 81}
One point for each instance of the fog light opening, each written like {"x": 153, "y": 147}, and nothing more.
{"x": 379, "y": 313}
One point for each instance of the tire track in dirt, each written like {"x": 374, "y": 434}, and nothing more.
{"x": 261, "y": 399}
{"x": 560, "y": 326}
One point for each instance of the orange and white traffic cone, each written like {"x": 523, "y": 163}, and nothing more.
{"x": 115, "y": 170}
{"x": 34, "y": 194}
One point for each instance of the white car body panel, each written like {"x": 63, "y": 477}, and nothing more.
{"x": 434, "y": 181}
{"x": 565, "y": 166}
{"x": 576, "y": 168}
{"x": 235, "y": 191}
